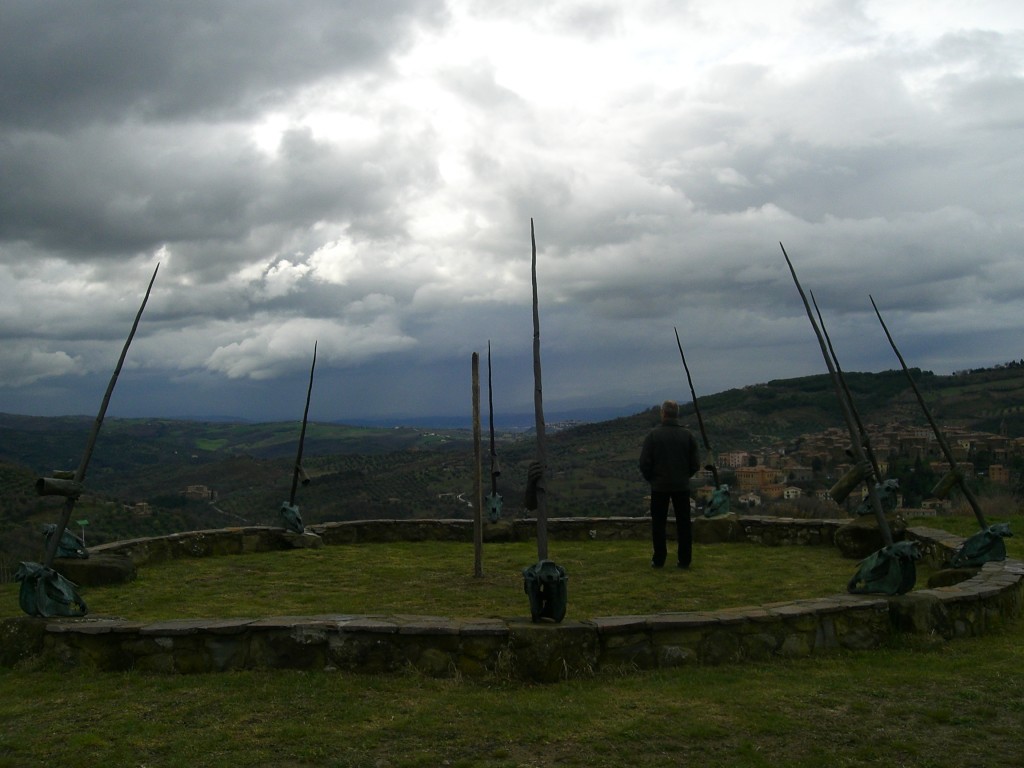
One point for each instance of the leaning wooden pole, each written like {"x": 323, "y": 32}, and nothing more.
{"x": 696, "y": 409}
{"x": 494, "y": 498}
{"x": 939, "y": 437}
{"x": 861, "y": 429}
{"x": 478, "y": 483}
{"x": 298, "y": 472}
{"x": 538, "y": 407}
{"x": 69, "y": 504}
{"x": 855, "y": 438}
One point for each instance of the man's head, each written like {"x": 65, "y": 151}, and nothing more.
{"x": 669, "y": 410}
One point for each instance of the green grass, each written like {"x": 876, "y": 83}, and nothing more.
{"x": 958, "y": 704}
{"x": 436, "y": 578}
{"x": 915, "y": 703}
{"x": 211, "y": 444}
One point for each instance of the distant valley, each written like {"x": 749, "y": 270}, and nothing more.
{"x": 142, "y": 468}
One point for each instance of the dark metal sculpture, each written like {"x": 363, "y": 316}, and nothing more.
{"x": 983, "y": 547}
{"x": 875, "y": 573}
{"x": 289, "y": 509}
{"x": 718, "y": 504}
{"x": 888, "y": 494}
{"x": 70, "y": 545}
{"x": 982, "y": 544}
{"x": 44, "y": 592}
{"x": 545, "y": 584}
{"x": 42, "y": 589}
{"x": 890, "y": 571}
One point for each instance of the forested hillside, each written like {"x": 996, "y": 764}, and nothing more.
{"x": 141, "y": 468}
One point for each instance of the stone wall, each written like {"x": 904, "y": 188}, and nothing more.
{"x": 438, "y": 646}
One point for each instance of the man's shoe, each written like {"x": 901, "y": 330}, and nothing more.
{"x": 656, "y": 564}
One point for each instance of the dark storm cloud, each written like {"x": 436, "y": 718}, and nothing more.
{"x": 364, "y": 175}
{"x": 122, "y": 191}
{"x": 73, "y": 62}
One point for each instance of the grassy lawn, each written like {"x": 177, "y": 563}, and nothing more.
{"x": 436, "y": 578}
{"x": 915, "y": 703}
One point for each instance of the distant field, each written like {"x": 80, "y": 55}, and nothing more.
{"x": 209, "y": 444}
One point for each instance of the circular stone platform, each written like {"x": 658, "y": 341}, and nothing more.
{"x": 989, "y": 597}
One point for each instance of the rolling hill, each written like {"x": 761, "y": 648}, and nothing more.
{"x": 141, "y": 467}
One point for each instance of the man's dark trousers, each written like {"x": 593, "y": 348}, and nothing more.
{"x": 659, "y": 519}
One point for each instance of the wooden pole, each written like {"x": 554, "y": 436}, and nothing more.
{"x": 861, "y": 429}
{"x": 297, "y": 473}
{"x": 478, "y": 504}
{"x": 696, "y": 409}
{"x": 495, "y": 471}
{"x": 69, "y": 504}
{"x": 939, "y": 437}
{"x": 538, "y": 407}
{"x": 855, "y": 439}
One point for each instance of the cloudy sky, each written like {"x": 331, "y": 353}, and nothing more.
{"x": 362, "y": 174}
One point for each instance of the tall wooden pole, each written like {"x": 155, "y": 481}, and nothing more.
{"x": 861, "y": 429}
{"x": 855, "y": 439}
{"x": 297, "y": 472}
{"x": 494, "y": 498}
{"x": 538, "y": 407}
{"x": 69, "y": 505}
{"x": 939, "y": 438}
{"x": 478, "y": 502}
{"x": 696, "y": 409}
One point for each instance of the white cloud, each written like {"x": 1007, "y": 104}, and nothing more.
{"x": 21, "y": 366}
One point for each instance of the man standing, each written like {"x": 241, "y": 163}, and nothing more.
{"x": 670, "y": 457}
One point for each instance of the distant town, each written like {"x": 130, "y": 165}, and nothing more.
{"x": 809, "y": 466}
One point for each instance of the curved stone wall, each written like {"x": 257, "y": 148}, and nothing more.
{"x": 440, "y": 646}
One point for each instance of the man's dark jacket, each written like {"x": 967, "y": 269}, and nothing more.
{"x": 670, "y": 457}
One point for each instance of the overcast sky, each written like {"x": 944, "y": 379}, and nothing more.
{"x": 362, "y": 174}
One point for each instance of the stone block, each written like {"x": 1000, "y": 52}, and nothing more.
{"x": 717, "y": 530}
{"x": 97, "y": 570}
{"x": 20, "y": 639}
{"x": 951, "y": 576}
{"x": 862, "y": 536}
{"x": 548, "y": 653}
{"x": 363, "y": 652}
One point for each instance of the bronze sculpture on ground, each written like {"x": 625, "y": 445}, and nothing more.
{"x": 44, "y": 592}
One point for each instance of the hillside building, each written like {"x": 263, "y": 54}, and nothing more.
{"x": 199, "y": 493}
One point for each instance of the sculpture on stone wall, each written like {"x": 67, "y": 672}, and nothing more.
{"x": 888, "y": 495}
{"x": 982, "y": 547}
{"x": 889, "y": 571}
{"x": 718, "y": 506}
{"x": 44, "y": 592}
{"x": 69, "y": 544}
